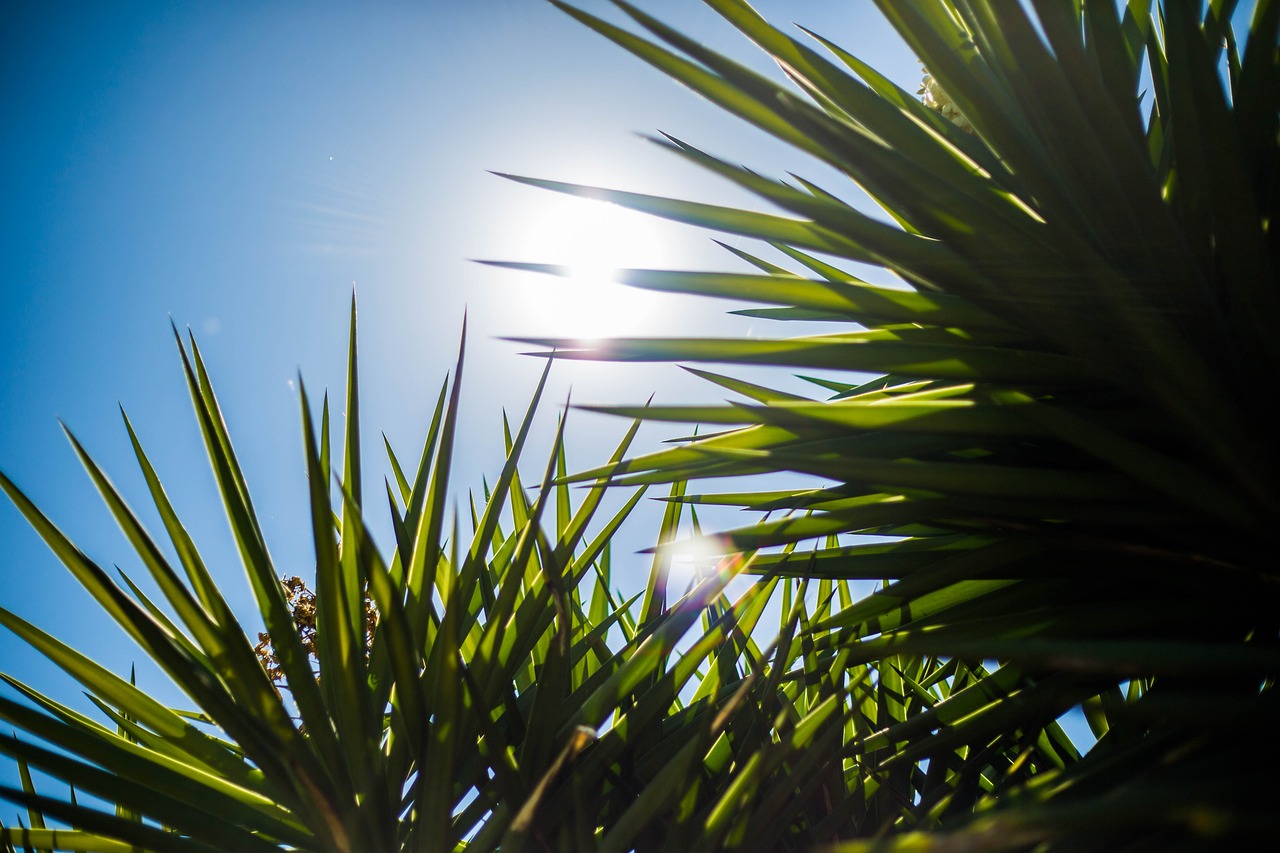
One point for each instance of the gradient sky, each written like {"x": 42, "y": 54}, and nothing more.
{"x": 240, "y": 167}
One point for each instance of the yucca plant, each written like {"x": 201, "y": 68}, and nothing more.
{"x": 462, "y": 694}
{"x": 1062, "y": 469}
{"x": 1061, "y": 456}
{"x": 435, "y": 698}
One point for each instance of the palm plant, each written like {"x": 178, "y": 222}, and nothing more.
{"x": 1061, "y": 475}
{"x": 1062, "y": 459}
{"x": 462, "y": 694}
{"x": 435, "y": 695}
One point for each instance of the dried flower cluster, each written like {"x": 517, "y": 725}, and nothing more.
{"x": 302, "y": 605}
{"x": 932, "y": 96}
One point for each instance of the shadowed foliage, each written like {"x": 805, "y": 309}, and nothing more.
{"x": 1047, "y": 420}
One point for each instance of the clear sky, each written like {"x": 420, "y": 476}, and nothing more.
{"x": 240, "y": 167}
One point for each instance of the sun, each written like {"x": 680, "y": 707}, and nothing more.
{"x": 593, "y": 240}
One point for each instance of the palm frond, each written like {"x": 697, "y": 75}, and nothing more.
{"x": 1066, "y": 462}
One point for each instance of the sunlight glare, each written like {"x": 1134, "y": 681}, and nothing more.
{"x": 693, "y": 559}
{"x": 593, "y": 239}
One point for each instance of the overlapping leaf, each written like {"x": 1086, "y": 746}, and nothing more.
{"x": 1070, "y": 430}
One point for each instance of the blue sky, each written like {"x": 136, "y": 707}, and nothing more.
{"x": 241, "y": 167}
